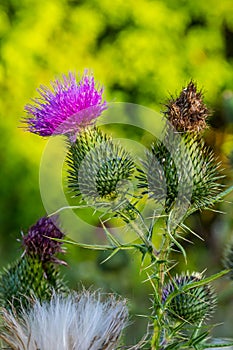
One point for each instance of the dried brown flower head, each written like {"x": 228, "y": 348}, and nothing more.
{"x": 188, "y": 112}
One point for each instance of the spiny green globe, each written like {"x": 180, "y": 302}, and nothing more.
{"x": 187, "y": 158}
{"x": 99, "y": 169}
{"x": 36, "y": 273}
{"x": 191, "y": 305}
{"x": 29, "y": 278}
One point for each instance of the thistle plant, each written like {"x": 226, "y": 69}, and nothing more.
{"x": 178, "y": 173}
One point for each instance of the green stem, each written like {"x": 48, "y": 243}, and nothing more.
{"x": 158, "y": 321}
{"x": 156, "y": 336}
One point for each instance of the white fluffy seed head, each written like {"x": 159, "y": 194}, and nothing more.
{"x": 78, "y": 322}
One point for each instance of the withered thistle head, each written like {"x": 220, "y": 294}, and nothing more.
{"x": 38, "y": 241}
{"x": 188, "y": 113}
{"x": 79, "y": 322}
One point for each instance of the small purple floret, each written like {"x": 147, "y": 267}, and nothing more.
{"x": 66, "y": 108}
{"x": 178, "y": 282}
{"x": 38, "y": 243}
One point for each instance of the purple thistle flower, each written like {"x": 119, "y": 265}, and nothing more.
{"x": 67, "y": 108}
{"x": 37, "y": 241}
{"x": 179, "y": 282}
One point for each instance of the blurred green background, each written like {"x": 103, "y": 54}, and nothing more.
{"x": 141, "y": 52}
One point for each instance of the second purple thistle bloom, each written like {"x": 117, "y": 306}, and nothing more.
{"x": 67, "y": 108}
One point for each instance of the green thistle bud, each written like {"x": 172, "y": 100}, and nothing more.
{"x": 162, "y": 172}
{"x": 192, "y": 305}
{"x": 26, "y": 278}
{"x": 36, "y": 273}
{"x": 181, "y": 165}
{"x": 187, "y": 112}
{"x": 99, "y": 169}
{"x": 206, "y": 173}
{"x": 85, "y": 142}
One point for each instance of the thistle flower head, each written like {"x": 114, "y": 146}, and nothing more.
{"x": 187, "y": 112}
{"x": 190, "y": 160}
{"x": 191, "y": 305}
{"x": 38, "y": 240}
{"x": 98, "y": 168}
{"x": 79, "y": 322}
{"x": 67, "y": 108}
{"x": 27, "y": 278}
